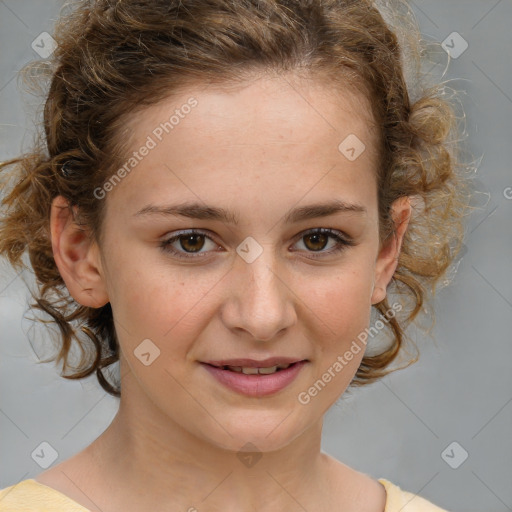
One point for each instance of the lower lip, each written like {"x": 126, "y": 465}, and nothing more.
{"x": 256, "y": 385}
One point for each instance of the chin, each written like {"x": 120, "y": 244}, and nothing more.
{"x": 251, "y": 443}
{"x": 266, "y": 431}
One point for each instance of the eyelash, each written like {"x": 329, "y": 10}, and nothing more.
{"x": 342, "y": 242}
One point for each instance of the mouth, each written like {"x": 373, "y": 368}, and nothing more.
{"x": 256, "y": 378}
{"x": 254, "y": 370}
{"x": 254, "y": 367}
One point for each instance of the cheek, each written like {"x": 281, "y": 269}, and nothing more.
{"x": 341, "y": 311}
{"x": 162, "y": 304}
{"x": 343, "y": 302}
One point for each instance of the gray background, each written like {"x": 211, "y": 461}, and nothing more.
{"x": 459, "y": 391}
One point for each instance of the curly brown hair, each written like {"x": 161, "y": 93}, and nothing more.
{"x": 115, "y": 57}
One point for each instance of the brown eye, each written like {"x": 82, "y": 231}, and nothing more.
{"x": 187, "y": 244}
{"x": 318, "y": 241}
{"x": 191, "y": 243}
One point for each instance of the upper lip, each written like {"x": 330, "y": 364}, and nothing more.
{"x": 253, "y": 363}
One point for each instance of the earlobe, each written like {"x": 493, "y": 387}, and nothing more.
{"x": 378, "y": 295}
{"x": 76, "y": 256}
{"x": 387, "y": 260}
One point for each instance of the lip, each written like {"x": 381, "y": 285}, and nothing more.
{"x": 253, "y": 363}
{"x": 256, "y": 385}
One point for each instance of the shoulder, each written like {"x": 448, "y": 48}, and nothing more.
{"x": 32, "y": 496}
{"x": 404, "y": 501}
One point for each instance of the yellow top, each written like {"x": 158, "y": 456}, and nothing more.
{"x": 32, "y": 496}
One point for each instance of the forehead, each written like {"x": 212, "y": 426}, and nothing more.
{"x": 287, "y": 108}
{"x": 271, "y": 128}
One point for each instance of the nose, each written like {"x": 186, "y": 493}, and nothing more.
{"x": 259, "y": 301}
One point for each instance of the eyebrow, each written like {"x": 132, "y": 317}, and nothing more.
{"x": 196, "y": 210}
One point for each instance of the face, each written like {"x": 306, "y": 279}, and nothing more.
{"x": 271, "y": 278}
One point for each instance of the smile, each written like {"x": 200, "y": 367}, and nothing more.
{"x": 255, "y": 381}
{"x": 247, "y": 370}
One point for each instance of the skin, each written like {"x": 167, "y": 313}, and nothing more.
{"x": 259, "y": 150}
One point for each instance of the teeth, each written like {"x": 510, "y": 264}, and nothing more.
{"x": 254, "y": 371}
{"x": 266, "y": 371}
{"x": 250, "y": 371}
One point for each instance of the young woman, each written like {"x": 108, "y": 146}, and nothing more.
{"x": 227, "y": 190}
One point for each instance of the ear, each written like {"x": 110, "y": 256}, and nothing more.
{"x": 76, "y": 256}
{"x": 387, "y": 260}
